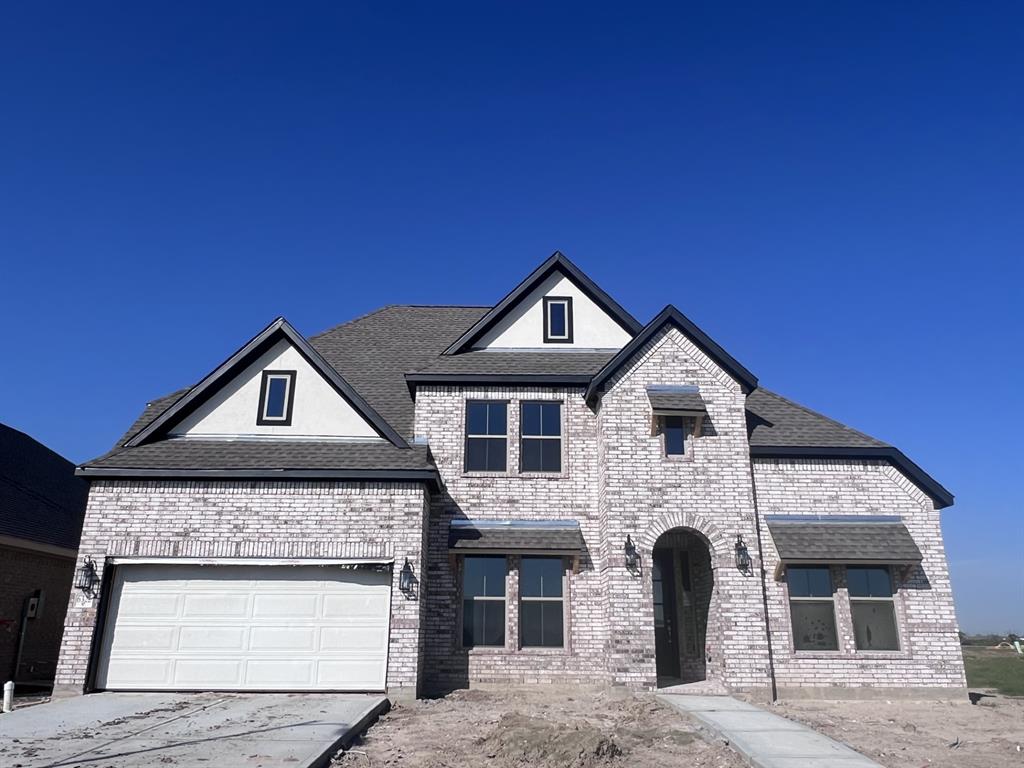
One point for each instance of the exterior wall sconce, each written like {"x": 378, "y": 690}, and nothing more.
{"x": 86, "y": 578}
{"x": 632, "y": 556}
{"x": 406, "y": 579}
{"x": 742, "y": 555}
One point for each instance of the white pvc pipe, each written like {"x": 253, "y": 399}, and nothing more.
{"x": 8, "y": 696}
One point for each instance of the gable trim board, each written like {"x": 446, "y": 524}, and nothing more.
{"x": 256, "y": 346}
{"x": 940, "y": 495}
{"x": 557, "y": 262}
{"x": 672, "y": 316}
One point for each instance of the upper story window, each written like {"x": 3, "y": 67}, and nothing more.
{"x": 673, "y": 435}
{"x": 812, "y": 608}
{"x": 871, "y": 603}
{"x": 277, "y": 397}
{"x": 557, "y": 319}
{"x": 486, "y": 436}
{"x": 541, "y": 437}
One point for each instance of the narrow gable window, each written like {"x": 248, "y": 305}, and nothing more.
{"x": 673, "y": 435}
{"x": 277, "y": 396}
{"x": 483, "y": 601}
{"x": 486, "y": 436}
{"x": 812, "y": 608}
{"x": 557, "y": 319}
{"x": 874, "y": 615}
{"x": 541, "y": 437}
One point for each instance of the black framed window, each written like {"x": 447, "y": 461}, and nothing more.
{"x": 540, "y": 432}
{"x": 486, "y": 436}
{"x": 873, "y": 608}
{"x": 483, "y": 600}
{"x": 673, "y": 435}
{"x": 812, "y": 608}
{"x": 558, "y": 319}
{"x": 277, "y": 397}
{"x": 541, "y": 602}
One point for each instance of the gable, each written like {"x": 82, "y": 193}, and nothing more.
{"x": 523, "y": 326}
{"x": 518, "y": 321}
{"x": 317, "y": 409}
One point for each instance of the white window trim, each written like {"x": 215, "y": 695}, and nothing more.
{"x": 483, "y": 598}
{"x": 288, "y": 382}
{"x": 566, "y": 303}
{"x": 469, "y": 436}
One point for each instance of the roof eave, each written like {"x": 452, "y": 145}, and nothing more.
{"x": 933, "y": 488}
{"x": 428, "y": 476}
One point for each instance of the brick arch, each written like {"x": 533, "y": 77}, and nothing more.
{"x": 718, "y": 545}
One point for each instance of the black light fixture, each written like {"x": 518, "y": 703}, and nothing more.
{"x": 632, "y": 556}
{"x": 742, "y": 555}
{"x": 406, "y": 578}
{"x": 85, "y": 577}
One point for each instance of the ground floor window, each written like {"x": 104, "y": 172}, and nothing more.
{"x": 871, "y": 603}
{"x": 812, "y": 608}
{"x": 483, "y": 600}
{"x": 541, "y": 610}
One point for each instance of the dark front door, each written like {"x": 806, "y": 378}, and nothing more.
{"x": 666, "y": 634}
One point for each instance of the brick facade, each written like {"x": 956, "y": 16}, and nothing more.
{"x": 616, "y": 482}
{"x": 250, "y": 519}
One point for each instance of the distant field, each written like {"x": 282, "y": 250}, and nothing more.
{"x": 1002, "y": 670}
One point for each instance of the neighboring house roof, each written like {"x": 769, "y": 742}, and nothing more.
{"x": 41, "y": 500}
{"x": 671, "y": 316}
{"x": 557, "y": 262}
{"x": 383, "y": 355}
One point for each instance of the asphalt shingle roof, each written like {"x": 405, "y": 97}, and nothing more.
{"x": 516, "y": 535}
{"x": 879, "y": 540}
{"x": 41, "y": 500}
{"x": 375, "y": 352}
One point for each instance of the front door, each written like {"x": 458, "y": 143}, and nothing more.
{"x": 666, "y": 635}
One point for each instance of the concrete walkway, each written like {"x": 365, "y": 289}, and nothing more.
{"x": 764, "y": 739}
{"x": 215, "y": 730}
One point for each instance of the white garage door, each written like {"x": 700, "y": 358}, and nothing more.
{"x": 246, "y": 627}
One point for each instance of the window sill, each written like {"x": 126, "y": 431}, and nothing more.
{"x": 544, "y": 651}
{"x": 471, "y": 474}
{"x": 853, "y": 655}
{"x": 542, "y": 475}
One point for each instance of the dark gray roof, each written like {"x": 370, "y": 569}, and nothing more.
{"x": 676, "y": 399}
{"x": 842, "y": 539}
{"x": 295, "y": 455}
{"x": 582, "y": 364}
{"x": 516, "y": 535}
{"x": 775, "y": 421}
{"x": 41, "y": 500}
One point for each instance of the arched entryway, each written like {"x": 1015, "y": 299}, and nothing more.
{"x": 683, "y": 587}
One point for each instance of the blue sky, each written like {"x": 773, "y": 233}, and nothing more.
{"x": 835, "y": 192}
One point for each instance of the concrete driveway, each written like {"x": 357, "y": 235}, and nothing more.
{"x": 122, "y": 730}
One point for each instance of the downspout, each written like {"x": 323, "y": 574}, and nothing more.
{"x": 764, "y": 585}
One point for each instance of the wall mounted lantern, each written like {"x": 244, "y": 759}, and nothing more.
{"x": 406, "y": 578}
{"x": 86, "y": 578}
{"x": 632, "y": 556}
{"x": 742, "y": 555}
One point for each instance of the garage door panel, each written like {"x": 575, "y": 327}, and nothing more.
{"x": 361, "y": 674}
{"x": 355, "y": 638}
{"x": 246, "y": 627}
{"x": 285, "y": 605}
{"x": 218, "y": 604}
{"x": 212, "y": 639}
{"x": 283, "y": 638}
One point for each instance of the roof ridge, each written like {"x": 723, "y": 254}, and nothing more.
{"x": 813, "y": 412}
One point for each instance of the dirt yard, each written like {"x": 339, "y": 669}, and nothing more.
{"x": 903, "y": 734}
{"x": 540, "y": 728}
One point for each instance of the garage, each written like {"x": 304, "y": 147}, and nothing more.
{"x": 252, "y": 627}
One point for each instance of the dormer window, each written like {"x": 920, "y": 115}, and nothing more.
{"x": 277, "y": 396}
{"x": 557, "y": 319}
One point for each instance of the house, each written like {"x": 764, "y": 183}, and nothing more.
{"x": 542, "y": 490}
{"x": 42, "y": 504}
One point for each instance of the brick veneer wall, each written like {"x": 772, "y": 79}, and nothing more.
{"x": 571, "y": 494}
{"x": 644, "y": 494}
{"x": 930, "y": 655}
{"x": 254, "y": 519}
{"x": 22, "y": 573}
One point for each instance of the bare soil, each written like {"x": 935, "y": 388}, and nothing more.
{"x": 540, "y": 728}
{"x": 901, "y": 734}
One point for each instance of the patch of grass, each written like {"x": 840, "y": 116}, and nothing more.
{"x": 1002, "y": 670}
